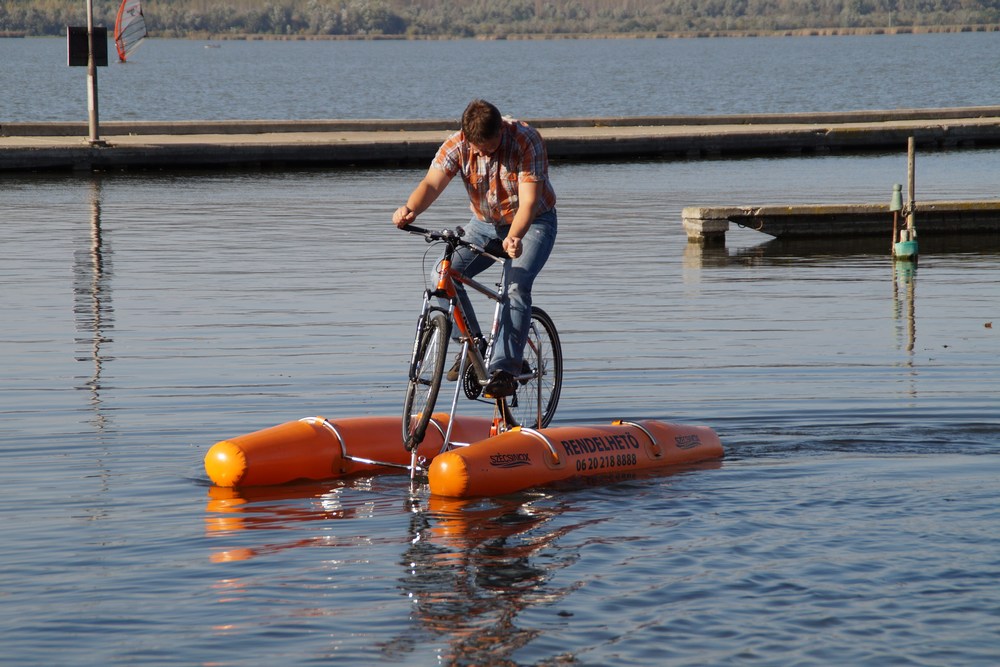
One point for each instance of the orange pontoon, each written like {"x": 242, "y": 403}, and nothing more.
{"x": 318, "y": 448}
{"x": 523, "y": 458}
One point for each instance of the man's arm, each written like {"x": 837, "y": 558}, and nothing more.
{"x": 527, "y": 202}
{"x": 426, "y": 192}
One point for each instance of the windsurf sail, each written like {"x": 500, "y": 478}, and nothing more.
{"x": 130, "y": 28}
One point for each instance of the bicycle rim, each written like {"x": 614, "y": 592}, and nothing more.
{"x": 543, "y": 354}
{"x": 426, "y": 371}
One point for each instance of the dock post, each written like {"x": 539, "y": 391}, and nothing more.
{"x": 895, "y": 206}
{"x": 92, "y": 108}
{"x": 906, "y": 246}
{"x": 705, "y": 226}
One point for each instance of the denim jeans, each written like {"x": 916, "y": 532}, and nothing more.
{"x": 515, "y": 316}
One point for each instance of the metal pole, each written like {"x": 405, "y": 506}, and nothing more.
{"x": 92, "y": 77}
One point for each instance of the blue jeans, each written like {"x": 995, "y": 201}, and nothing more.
{"x": 515, "y": 315}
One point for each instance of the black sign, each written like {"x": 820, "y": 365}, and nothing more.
{"x": 77, "y": 47}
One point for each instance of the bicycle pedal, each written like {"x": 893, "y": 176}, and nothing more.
{"x": 526, "y": 370}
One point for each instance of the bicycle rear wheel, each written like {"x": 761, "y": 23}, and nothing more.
{"x": 534, "y": 404}
{"x": 426, "y": 370}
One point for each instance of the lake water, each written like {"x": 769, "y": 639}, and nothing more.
{"x": 183, "y": 80}
{"x": 149, "y": 315}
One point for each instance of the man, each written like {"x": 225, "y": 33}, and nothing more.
{"x": 504, "y": 166}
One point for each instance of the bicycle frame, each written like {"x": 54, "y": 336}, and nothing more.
{"x": 446, "y": 289}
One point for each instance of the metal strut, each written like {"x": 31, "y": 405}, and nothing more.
{"x": 541, "y": 436}
{"x": 323, "y": 421}
{"x": 657, "y": 450}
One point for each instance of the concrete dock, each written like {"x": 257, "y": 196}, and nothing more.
{"x": 31, "y": 147}
{"x": 709, "y": 224}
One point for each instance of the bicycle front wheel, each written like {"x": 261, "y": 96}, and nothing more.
{"x": 426, "y": 369}
{"x": 534, "y": 404}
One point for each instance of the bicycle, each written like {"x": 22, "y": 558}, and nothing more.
{"x": 538, "y": 385}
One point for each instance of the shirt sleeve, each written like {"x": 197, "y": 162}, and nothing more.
{"x": 449, "y": 155}
{"x": 534, "y": 160}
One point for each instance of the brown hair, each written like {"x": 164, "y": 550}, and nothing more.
{"x": 481, "y": 122}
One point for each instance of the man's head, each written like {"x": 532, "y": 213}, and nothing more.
{"x": 481, "y": 123}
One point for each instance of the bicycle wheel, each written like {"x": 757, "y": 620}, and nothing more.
{"x": 538, "y": 395}
{"x": 426, "y": 369}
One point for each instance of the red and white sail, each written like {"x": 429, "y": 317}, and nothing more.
{"x": 130, "y": 28}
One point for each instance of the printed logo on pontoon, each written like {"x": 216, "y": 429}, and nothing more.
{"x": 510, "y": 460}
{"x": 600, "y": 444}
{"x": 687, "y": 441}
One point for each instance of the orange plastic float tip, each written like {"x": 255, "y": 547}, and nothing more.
{"x": 450, "y": 475}
{"x": 225, "y": 463}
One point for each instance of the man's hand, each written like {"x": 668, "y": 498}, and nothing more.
{"x": 403, "y": 216}
{"x": 512, "y": 246}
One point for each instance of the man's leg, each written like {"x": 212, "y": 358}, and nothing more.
{"x": 470, "y": 264}
{"x": 515, "y": 319}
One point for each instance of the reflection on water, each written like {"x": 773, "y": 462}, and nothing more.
{"x": 94, "y": 310}
{"x": 469, "y": 568}
{"x": 904, "y": 287}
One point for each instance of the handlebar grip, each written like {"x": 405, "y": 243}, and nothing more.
{"x": 413, "y": 229}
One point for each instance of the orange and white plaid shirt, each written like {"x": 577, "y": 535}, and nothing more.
{"x": 492, "y": 180}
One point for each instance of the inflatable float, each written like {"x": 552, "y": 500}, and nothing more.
{"x": 319, "y": 448}
{"x": 316, "y": 448}
{"x": 522, "y": 458}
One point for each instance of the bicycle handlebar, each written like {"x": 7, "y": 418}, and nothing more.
{"x": 453, "y": 237}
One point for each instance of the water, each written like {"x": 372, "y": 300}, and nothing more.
{"x": 183, "y": 80}
{"x": 149, "y": 315}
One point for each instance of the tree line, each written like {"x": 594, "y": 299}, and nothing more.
{"x": 498, "y": 18}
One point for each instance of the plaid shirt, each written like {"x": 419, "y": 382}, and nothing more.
{"x": 492, "y": 180}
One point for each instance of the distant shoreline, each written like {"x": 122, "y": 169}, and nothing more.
{"x": 692, "y": 34}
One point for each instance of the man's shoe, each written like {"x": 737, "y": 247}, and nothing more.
{"x": 453, "y": 371}
{"x": 501, "y": 385}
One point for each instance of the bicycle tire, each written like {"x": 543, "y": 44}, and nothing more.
{"x": 543, "y": 354}
{"x": 430, "y": 347}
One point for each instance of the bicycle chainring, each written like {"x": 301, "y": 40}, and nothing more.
{"x": 470, "y": 383}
